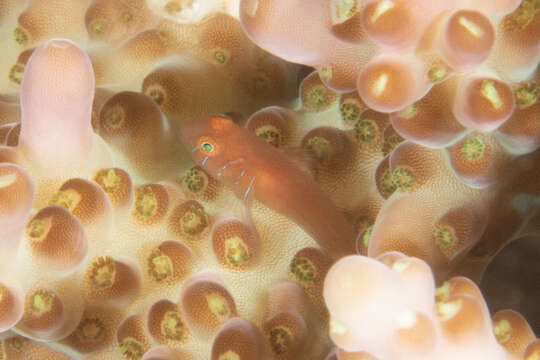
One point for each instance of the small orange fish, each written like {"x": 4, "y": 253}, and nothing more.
{"x": 253, "y": 168}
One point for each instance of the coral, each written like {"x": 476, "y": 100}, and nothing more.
{"x": 171, "y": 190}
{"x": 389, "y": 308}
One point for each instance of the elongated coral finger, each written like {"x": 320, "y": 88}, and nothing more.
{"x": 56, "y": 104}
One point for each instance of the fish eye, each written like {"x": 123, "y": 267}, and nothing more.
{"x": 208, "y": 146}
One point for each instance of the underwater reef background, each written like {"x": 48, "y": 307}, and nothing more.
{"x": 269, "y": 179}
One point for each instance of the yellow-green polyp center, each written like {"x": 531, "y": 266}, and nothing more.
{"x": 218, "y": 306}
{"x": 236, "y": 251}
{"x": 109, "y": 180}
{"x": 367, "y": 236}
{"x": 445, "y": 235}
{"x": 91, "y": 329}
{"x": 502, "y": 330}
{"x": 403, "y": 178}
{"x": 160, "y": 265}
{"x": 147, "y": 203}
{"x": 317, "y": 97}
{"x": 194, "y": 221}
{"x": 280, "y": 340}
{"x": 16, "y": 73}
{"x": 195, "y": 180}
{"x": 365, "y": 130}
{"x": 473, "y": 149}
{"x": 103, "y": 273}
{"x": 319, "y": 145}
{"x": 157, "y": 95}
{"x": 131, "y": 348}
{"x": 20, "y": 35}
{"x": 302, "y": 269}
{"x": 42, "y": 302}
{"x": 172, "y": 326}
{"x": 350, "y": 112}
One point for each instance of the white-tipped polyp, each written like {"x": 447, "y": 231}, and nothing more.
{"x": 57, "y": 92}
{"x": 364, "y": 297}
{"x": 389, "y": 83}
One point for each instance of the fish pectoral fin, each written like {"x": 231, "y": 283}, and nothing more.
{"x": 229, "y": 172}
{"x": 244, "y": 188}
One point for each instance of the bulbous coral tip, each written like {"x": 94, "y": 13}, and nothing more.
{"x": 468, "y": 39}
{"x": 238, "y": 339}
{"x": 166, "y": 324}
{"x": 206, "y": 303}
{"x": 11, "y": 306}
{"x": 389, "y": 84}
{"x": 483, "y": 103}
{"x": 16, "y": 197}
{"x": 161, "y": 353}
{"x": 389, "y": 22}
{"x": 57, "y": 237}
{"x": 57, "y": 91}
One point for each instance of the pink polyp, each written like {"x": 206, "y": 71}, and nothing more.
{"x": 483, "y": 103}
{"x": 362, "y": 297}
{"x": 16, "y": 197}
{"x": 400, "y": 24}
{"x": 389, "y": 83}
{"x": 57, "y": 91}
{"x": 292, "y": 29}
{"x": 467, "y": 39}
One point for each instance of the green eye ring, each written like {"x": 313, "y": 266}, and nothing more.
{"x": 208, "y": 146}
